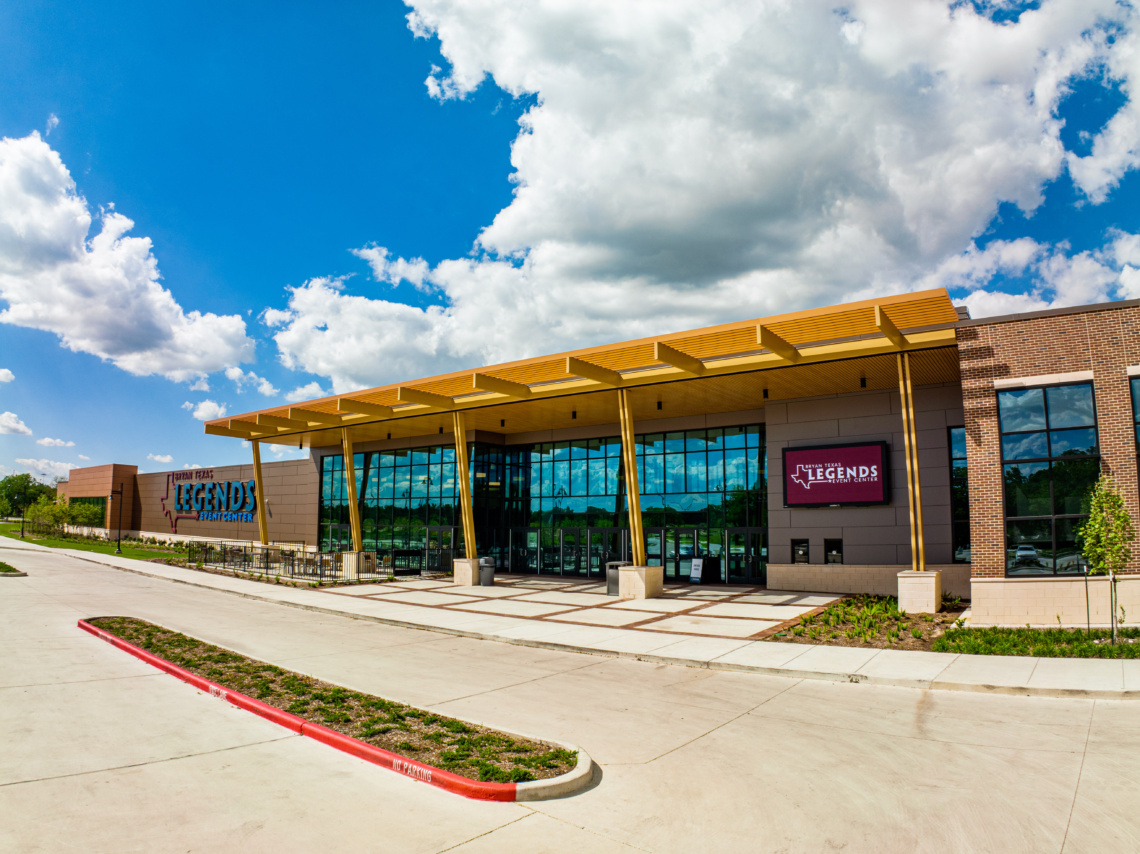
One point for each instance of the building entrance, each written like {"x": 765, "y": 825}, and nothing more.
{"x": 439, "y": 550}
{"x": 746, "y": 556}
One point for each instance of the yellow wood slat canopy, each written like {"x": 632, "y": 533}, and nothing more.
{"x": 717, "y": 369}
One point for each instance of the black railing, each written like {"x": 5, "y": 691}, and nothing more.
{"x": 280, "y": 560}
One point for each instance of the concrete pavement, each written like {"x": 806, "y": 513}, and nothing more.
{"x": 102, "y": 753}
{"x": 494, "y": 614}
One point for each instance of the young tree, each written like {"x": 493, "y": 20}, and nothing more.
{"x": 1107, "y": 536}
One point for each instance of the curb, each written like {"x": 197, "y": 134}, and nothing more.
{"x": 13, "y": 575}
{"x": 533, "y": 790}
{"x": 930, "y": 684}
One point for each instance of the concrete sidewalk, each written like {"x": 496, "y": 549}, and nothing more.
{"x": 104, "y": 753}
{"x": 1050, "y": 677}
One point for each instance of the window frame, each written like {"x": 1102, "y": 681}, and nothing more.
{"x": 955, "y": 522}
{"x": 1053, "y": 517}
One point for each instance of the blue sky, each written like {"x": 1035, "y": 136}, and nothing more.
{"x": 338, "y": 197}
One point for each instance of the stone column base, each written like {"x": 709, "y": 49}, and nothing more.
{"x": 920, "y": 592}
{"x": 353, "y": 563}
{"x": 640, "y": 582}
{"x": 466, "y": 572}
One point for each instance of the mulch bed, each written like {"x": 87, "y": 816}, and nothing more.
{"x": 870, "y": 622}
{"x": 470, "y": 750}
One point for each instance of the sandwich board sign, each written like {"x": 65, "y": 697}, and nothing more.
{"x": 695, "y": 572}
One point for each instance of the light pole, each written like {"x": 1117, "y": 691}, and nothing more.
{"x": 23, "y": 509}
{"x": 119, "y": 530}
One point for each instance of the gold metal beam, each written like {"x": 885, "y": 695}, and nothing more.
{"x": 498, "y": 386}
{"x": 264, "y": 420}
{"x": 632, "y": 487}
{"x": 350, "y": 489}
{"x": 588, "y": 371}
{"x": 462, "y": 468}
{"x": 424, "y": 398}
{"x": 771, "y": 341}
{"x": 919, "y": 527}
{"x": 259, "y": 494}
{"x": 900, "y": 360}
{"x": 682, "y": 361}
{"x": 215, "y": 430}
{"x": 888, "y": 328}
{"x": 363, "y": 407}
{"x": 311, "y": 416}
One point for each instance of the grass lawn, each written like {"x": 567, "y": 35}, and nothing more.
{"x": 98, "y": 546}
{"x": 4, "y": 567}
{"x": 1042, "y": 643}
{"x": 469, "y": 750}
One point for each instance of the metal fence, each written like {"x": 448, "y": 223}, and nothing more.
{"x": 285, "y": 560}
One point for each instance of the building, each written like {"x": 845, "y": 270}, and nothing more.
{"x": 822, "y": 450}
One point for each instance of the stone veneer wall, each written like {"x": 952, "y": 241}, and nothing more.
{"x": 1102, "y": 339}
{"x": 845, "y": 578}
{"x": 1041, "y": 601}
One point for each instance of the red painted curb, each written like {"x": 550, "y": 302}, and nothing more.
{"x": 378, "y": 756}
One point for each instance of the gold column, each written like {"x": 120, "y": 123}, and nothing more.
{"x": 920, "y": 527}
{"x": 350, "y": 488}
{"x": 259, "y": 489}
{"x": 632, "y": 487}
{"x": 909, "y": 463}
{"x": 913, "y": 478}
{"x": 462, "y": 469}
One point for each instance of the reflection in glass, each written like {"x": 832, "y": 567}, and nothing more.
{"x": 1029, "y": 546}
{"x": 1068, "y": 442}
{"x": 1027, "y": 490}
{"x": 1023, "y": 409}
{"x": 1070, "y": 406}
{"x": 1073, "y": 481}
{"x": 1024, "y": 446}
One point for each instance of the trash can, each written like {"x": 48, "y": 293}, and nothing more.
{"x": 612, "y": 576}
{"x": 486, "y": 572}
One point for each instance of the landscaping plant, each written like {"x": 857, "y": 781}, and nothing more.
{"x": 1106, "y": 540}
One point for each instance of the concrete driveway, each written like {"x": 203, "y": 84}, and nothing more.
{"x": 102, "y": 753}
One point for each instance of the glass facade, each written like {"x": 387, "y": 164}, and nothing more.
{"x": 959, "y": 496}
{"x": 1051, "y": 462}
{"x": 561, "y": 508}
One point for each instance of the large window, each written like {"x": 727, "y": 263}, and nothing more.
{"x": 1136, "y": 410}
{"x": 1051, "y": 462}
{"x": 403, "y": 495}
{"x": 959, "y": 496}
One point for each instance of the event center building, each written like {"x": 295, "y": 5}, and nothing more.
{"x": 824, "y": 450}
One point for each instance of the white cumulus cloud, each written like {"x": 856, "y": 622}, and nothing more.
{"x": 46, "y": 469}
{"x": 54, "y": 443}
{"x": 205, "y": 410}
{"x": 693, "y": 162}
{"x": 6, "y": 376}
{"x": 83, "y": 457}
{"x": 160, "y": 458}
{"x": 306, "y": 392}
{"x": 10, "y": 423}
{"x": 101, "y": 294}
{"x": 242, "y": 378}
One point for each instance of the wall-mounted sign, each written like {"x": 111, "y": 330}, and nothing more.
{"x": 828, "y": 475}
{"x": 198, "y": 496}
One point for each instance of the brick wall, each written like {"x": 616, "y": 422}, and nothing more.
{"x": 1104, "y": 340}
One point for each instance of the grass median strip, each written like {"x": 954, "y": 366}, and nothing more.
{"x": 1041, "y": 643}
{"x": 469, "y": 750}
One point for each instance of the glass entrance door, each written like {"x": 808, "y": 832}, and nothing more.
{"x": 439, "y": 549}
{"x": 654, "y": 546}
{"x": 747, "y": 555}
{"x": 524, "y": 550}
{"x": 573, "y": 551}
{"x": 605, "y": 545}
